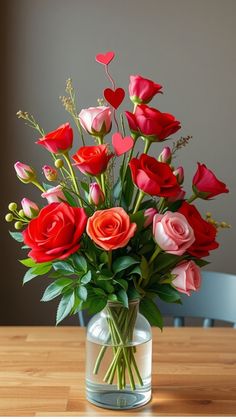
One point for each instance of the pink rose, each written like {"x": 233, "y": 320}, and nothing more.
{"x": 172, "y": 233}
{"x": 29, "y": 207}
{"x": 165, "y": 156}
{"x": 24, "y": 172}
{"x": 54, "y": 194}
{"x": 149, "y": 214}
{"x": 188, "y": 277}
{"x": 142, "y": 90}
{"x": 96, "y": 196}
{"x": 96, "y": 121}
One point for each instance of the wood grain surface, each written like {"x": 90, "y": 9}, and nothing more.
{"x": 42, "y": 373}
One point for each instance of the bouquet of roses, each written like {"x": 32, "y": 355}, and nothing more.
{"x": 103, "y": 238}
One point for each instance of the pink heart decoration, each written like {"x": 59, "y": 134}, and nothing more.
{"x": 105, "y": 58}
{"x": 121, "y": 145}
{"x": 114, "y": 97}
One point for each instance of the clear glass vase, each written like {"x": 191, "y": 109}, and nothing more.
{"x": 119, "y": 357}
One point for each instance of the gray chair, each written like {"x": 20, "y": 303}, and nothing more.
{"x": 216, "y": 300}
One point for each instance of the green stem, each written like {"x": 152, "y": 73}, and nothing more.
{"x": 147, "y": 145}
{"x": 36, "y": 183}
{"x": 73, "y": 178}
{"x": 155, "y": 254}
{"x": 138, "y": 202}
{"x": 192, "y": 198}
{"x": 109, "y": 254}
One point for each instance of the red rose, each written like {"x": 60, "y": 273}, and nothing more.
{"x": 142, "y": 90}
{"x": 153, "y": 177}
{"x": 205, "y": 183}
{"x": 92, "y": 160}
{"x": 55, "y": 233}
{"x": 151, "y": 123}
{"x": 205, "y": 233}
{"x": 58, "y": 141}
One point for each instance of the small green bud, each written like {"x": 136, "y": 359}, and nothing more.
{"x": 21, "y": 213}
{"x": 12, "y": 206}
{"x": 59, "y": 163}
{"x": 18, "y": 225}
{"x": 9, "y": 217}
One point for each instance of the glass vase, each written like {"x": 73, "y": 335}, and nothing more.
{"x": 119, "y": 357}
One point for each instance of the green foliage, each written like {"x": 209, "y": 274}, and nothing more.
{"x": 65, "y": 306}
{"x": 82, "y": 292}
{"x": 86, "y": 278}
{"x": 63, "y": 267}
{"x": 123, "y": 298}
{"x": 149, "y": 309}
{"x": 38, "y": 269}
{"x": 166, "y": 292}
{"x": 138, "y": 218}
{"x": 122, "y": 263}
{"x": 70, "y": 199}
{"x": 16, "y": 236}
{"x": 56, "y": 288}
{"x": 79, "y": 263}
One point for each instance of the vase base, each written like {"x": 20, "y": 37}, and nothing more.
{"x": 118, "y": 399}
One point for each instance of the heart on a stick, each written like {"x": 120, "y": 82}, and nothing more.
{"x": 114, "y": 97}
{"x": 121, "y": 145}
{"x": 106, "y": 58}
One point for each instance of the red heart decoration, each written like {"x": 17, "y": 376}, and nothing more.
{"x": 105, "y": 58}
{"x": 114, "y": 97}
{"x": 121, "y": 145}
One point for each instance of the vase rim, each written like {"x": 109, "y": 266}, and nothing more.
{"x": 118, "y": 303}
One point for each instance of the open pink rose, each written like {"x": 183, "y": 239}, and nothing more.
{"x": 188, "y": 277}
{"x": 172, "y": 233}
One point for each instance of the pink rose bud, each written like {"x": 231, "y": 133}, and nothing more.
{"x": 96, "y": 196}
{"x": 149, "y": 214}
{"x": 24, "y": 172}
{"x": 54, "y": 194}
{"x": 179, "y": 173}
{"x": 50, "y": 173}
{"x": 142, "y": 90}
{"x": 30, "y": 209}
{"x": 188, "y": 277}
{"x": 96, "y": 121}
{"x": 165, "y": 156}
{"x": 180, "y": 196}
{"x": 172, "y": 232}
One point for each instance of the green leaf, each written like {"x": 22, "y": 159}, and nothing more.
{"x": 42, "y": 268}
{"x": 136, "y": 270}
{"x": 16, "y": 236}
{"x": 28, "y": 276}
{"x": 123, "y": 298}
{"x": 80, "y": 262}
{"x": 123, "y": 263}
{"x": 144, "y": 266}
{"x": 112, "y": 297}
{"x": 70, "y": 199}
{"x": 47, "y": 186}
{"x": 165, "y": 261}
{"x": 86, "y": 278}
{"x": 166, "y": 292}
{"x": 117, "y": 189}
{"x": 28, "y": 262}
{"x": 85, "y": 187}
{"x": 99, "y": 291}
{"x": 63, "y": 266}
{"x": 138, "y": 218}
{"x": 105, "y": 275}
{"x": 82, "y": 292}
{"x": 65, "y": 306}
{"x": 128, "y": 187}
{"x": 201, "y": 262}
{"x": 96, "y": 304}
{"x": 133, "y": 294}
{"x": 55, "y": 289}
{"x": 149, "y": 309}
{"x": 122, "y": 282}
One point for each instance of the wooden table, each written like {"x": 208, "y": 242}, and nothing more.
{"x": 42, "y": 373}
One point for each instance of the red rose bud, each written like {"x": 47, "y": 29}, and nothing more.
{"x": 165, "y": 156}
{"x": 24, "y": 172}
{"x": 96, "y": 121}
{"x": 151, "y": 123}
{"x": 149, "y": 214}
{"x": 92, "y": 160}
{"x": 205, "y": 183}
{"x": 54, "y": 194}
{"x": 58, "y": 141}
{"x": 153, "y": 177}
{"x": 142, "y": 90}
{"x": 96, "y": 196}
{"x": 179, "y": 173}
{"x": 30, "y": 209}
{"x": 50, "y": 173}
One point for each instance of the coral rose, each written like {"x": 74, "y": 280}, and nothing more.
{"x": 58, "y": 141}
{"x": 55, "y": 233}
{"x": 111, "y": 228}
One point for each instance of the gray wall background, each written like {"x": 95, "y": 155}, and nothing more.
{"x": 186, "y": 45}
